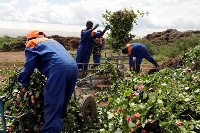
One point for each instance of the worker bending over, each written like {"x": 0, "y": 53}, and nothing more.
{"x": 52, "y": 60}
{"x": 139, "y": 51}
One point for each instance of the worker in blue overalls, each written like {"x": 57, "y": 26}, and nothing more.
{"x": 97, "y": 47}
{"x": 139, "y": 51}
{"x": 85, "y": 47}
{"x": 52, "y": 60}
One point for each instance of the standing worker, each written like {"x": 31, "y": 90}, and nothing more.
{"x": 52, "y": 60}
{"x": 139, "y": 51}
{"x": 97, "y": 47}
{"x": 85, "y": 47}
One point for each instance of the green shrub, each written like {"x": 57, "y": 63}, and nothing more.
{"x": 6, "y": 42}
{"x": 121, "y": 23}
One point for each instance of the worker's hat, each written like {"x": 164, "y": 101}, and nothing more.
{"x": 34, "y": 33}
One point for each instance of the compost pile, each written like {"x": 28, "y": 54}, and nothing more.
{"x": 169, "y": 35}
{"x": 70, "y": 43}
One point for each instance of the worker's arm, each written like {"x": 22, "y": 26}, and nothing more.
{"x": 29, "y": 66}
{"x": 130, "y": 61}
{"x": 99, "y": 34}
{"x": 106, "y": 28}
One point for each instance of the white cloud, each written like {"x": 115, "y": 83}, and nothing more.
{"x": 179, "y": 14}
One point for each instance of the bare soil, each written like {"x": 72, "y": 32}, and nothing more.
{"x": 16, "y": 59}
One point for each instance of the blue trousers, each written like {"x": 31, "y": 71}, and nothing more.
{"x": 143, "y": 54}
{"x": 83, "y": 56}
{"x": 96, "y": 58}
{"x": 58, "y": 90}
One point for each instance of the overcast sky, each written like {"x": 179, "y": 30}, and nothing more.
{"x": 59, "y": 15}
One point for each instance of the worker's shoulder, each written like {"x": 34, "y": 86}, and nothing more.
{"x": 32, "y": 43}
{"x": 137, "y": 44}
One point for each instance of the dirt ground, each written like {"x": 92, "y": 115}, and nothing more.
{"x": 12, "y": 59}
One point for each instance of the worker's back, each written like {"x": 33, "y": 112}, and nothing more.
{"x": 136, "y": 48}
{"x": 51, "y": 55}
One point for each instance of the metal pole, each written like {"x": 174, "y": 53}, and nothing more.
{"x": 2, "y": 116}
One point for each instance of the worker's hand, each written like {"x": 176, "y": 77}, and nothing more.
{"x": 107, "y": 27}
{"x": 97, "y": 25}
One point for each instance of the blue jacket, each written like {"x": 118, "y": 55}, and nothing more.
{"x": 85, "y": 47}
{"x": 43, "y": 54}
{"x": 135, "y": 50}
{"x": 87, "y": 40}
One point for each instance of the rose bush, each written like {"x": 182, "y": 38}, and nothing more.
{"x": 167, "y": 101}
{"x": 20, "y": 100}
{"x": 121, "y": 23}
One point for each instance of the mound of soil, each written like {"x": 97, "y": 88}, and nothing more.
{"x": 169, "y": 35}
{"x": 172, "y": 63}
{"x": 70, "y": 43}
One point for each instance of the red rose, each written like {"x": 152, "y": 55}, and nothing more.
{"x": 23, "y": 90}
{"x": 136, "y": 116}
{"x": 131, "y": 129}
{"x": 128, "y": 119}
{"x": 30, "y": 93}
{"x": 26, "y": 130}
{"x": 179, "y": 123}
{"x": 144, "y": 131}
{"x": 32, "y": 97}
{"x": 134, "y": 93}
{"x": 112, "y": 111}
{"x": 141, "y": 86}
{"x": 33, "y": 101}
{"x": 119, "y": 110}
{"x": 135, "y": 87}
{"x": 138, "y": 123}
{"x": 150, "y": 121}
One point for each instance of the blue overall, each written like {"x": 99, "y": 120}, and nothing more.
{"x": 139, "y": 51}
{"x": 85, "y": 47}
{"x": 96, "y": 58}
{"x": 97, "y": 51}
{"x": 52, "y": 60}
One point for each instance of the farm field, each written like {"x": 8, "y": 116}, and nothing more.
{"x": 164, "y": 101}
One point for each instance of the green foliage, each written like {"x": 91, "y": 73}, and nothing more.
{"x": 121, "y": 23}
{"x": 167, "y": 101}
{"x": 6, "y": 42}
{"x": 21, "y": 100}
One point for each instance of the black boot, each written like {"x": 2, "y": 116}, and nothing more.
{"x": 155, "y": 63}
{"x": 137, "y": 69}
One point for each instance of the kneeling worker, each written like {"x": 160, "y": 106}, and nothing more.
{"x": 139, "y": 51}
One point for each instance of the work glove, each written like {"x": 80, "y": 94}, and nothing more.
{"x": 97, "y": 25}
{"x": 107, "y": 27}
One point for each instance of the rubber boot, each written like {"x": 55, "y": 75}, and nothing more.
{"x": 155, "y": 63}
{"x": 137, "y": 69}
